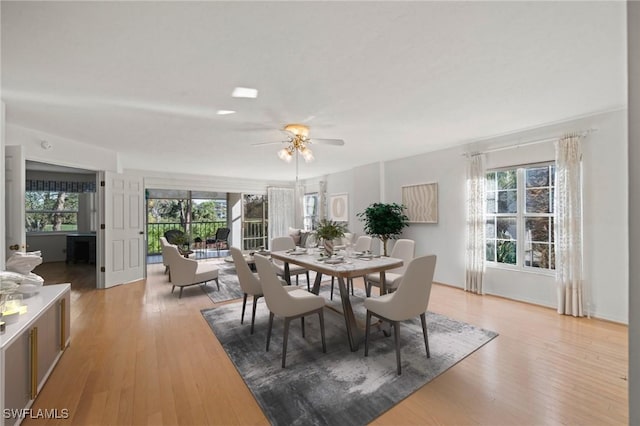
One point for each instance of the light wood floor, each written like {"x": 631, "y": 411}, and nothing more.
{"x": 139, "y": 355}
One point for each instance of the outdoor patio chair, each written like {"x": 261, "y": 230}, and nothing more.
{"x": 221, "y": 238}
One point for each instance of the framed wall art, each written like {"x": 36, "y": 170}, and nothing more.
{"x": 421, "y": 202}
{"x": 339, "y": 207}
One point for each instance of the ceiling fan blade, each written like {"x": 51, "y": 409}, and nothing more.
{"x": 337, "y": 142}
{"x": 268, "y": 143}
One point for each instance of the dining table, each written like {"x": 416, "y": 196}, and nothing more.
{"x": 341, "y": 267}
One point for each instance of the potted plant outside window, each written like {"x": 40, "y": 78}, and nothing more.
{"x": 384, "y": 221}
{"x": 329, "y": 230}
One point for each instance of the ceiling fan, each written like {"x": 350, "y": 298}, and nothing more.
{"x": 298, "y": 142}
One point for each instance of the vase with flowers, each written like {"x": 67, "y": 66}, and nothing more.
{"x": 329, "y": 230}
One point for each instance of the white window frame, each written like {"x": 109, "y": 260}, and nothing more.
{"x": 521, "y": 217}
{"x": 31, "y": 211}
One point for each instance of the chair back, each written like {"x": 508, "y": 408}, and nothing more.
{"x": 249, "y": 283}
{"x": 403, "y": 249}
{"x": 278, "y": 300}
{"x": 280, "y": 244}
{"x": 173, "y": 236}
{"x": 412, "y": 295}
{"x": 163, "y": 245}
{"x": 222, "y": 234}
{"x": 183, "y": 271}
{"x": 363, "y": 243}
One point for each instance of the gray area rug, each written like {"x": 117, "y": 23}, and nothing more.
{"x": 229, "y": 286}
{"x": 340, "y": 387}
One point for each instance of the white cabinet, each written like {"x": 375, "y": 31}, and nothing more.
{"x": 30, "y": 349}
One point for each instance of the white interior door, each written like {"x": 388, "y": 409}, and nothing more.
{"x": 14, "y": 185}
{"x": 124, "y": 229}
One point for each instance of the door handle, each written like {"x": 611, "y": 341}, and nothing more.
{"x": 141, "y": 232}
{"x": 14, "y": 247}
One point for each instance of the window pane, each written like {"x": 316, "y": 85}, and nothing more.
{"x": 490, "y": 183}
{"x": 507, "y": 228}
{"x": 49, "y": 222}
{"x": 537, "y": 177}
{"x": 490, "y": 229}
{"x": 553, "y": 256}
{"x": 491, "y": 251}
{"x": 507, "y": 201}
{"x": 507, "y": 179}
{"x": 491, "y": 202}
{"x": 537, "y": 229}
{"x": 506, "y": 252}
{"x": 540, "y": 257}
{"x": 538, "y": 200}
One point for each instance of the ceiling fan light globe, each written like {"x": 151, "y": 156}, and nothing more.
{"x": 307, "y": 154}
{"x": 285, "y": 155}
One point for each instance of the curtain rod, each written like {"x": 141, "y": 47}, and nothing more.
{"x": 534, "y": 142}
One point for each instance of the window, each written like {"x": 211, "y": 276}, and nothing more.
{"x": 520, "y": 217}
{"x": 310, "y": 218}
{"x": 51, "y": 211}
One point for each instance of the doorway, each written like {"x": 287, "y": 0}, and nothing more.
{"x": 61, "y": 221}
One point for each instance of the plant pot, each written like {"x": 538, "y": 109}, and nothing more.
{"x": 328, "y": 247}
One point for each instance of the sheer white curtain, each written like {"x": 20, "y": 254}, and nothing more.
{"x": 475, "y": 224}
{"x": 281, "y": 211}
{"x": 568, "y": 226}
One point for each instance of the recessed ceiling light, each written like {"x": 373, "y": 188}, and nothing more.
{"x": 244, "y": 92}
{"x": 225, "y": 112}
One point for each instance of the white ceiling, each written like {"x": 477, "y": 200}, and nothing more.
{"x": 392, "y": 79}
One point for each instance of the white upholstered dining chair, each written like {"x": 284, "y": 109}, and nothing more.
{"x": 287, "y": 304}
{"x": 287, "y": 243}
{"x": 403, "y": 249}
{"x": 410, "y": 299}
{"x": 249, "y": 283}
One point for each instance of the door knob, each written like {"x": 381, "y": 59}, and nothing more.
{"x": 14, "y": 247}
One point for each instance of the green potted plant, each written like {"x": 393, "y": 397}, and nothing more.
{"x": 329, "y": 230}
{"x": 384, "y": 221}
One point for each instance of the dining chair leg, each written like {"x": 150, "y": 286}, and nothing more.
{"x": 285, "y": 338}
{"x": 396, "y": 334}
{"x": 302, "y": 324}
{"x": 366, "y": 333}
{"x": 367, "y": 286}
{"x": 180, "y": 295}
{"x": 321, "y": 315}
{"x": 424, "y": 332}
{"x": 244, "y": 305}
{"x": 253, "y": 314}
{"x": 350, "y": 282}
{"x": 173, "y": 288}
{"x": 308, "y": 283}
{"x": 217, "y": 284}
{"x": 269, "y": 331}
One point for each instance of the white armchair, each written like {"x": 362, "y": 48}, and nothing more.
{"x": 186, "y": 272}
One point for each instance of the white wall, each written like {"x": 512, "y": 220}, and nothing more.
{"x": 633, "y": 10}
{"x": 63, "y": 152}
{"x": 362, "y": 185}
{"x": 53, "y": 246}
{"x": 605, "y": 211}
